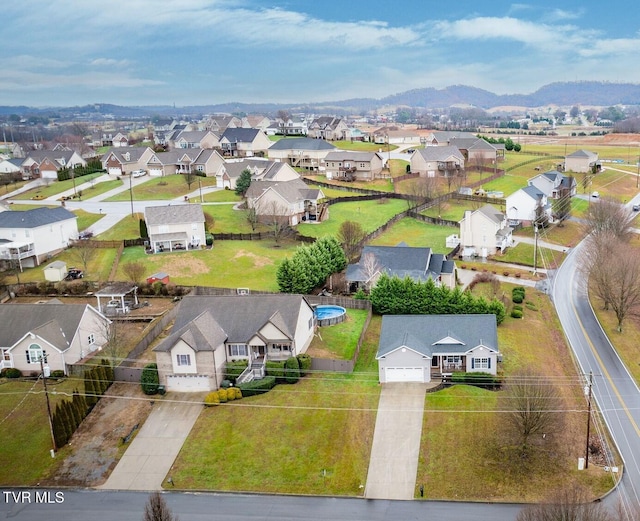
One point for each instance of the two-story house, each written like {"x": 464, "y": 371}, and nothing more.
{"x": 209, "y": 331}
{"x": 437, "y": 161}
{"x": 175, "y": 227}
{"x": 329, "y": 128}
{"x": 583, "y": 161}
{"x": 484, "y": 232}
{"x": 528, "y": 205}
{"x": 244, "y": 142}
{"x": 554, "y": 184}
{"x": 303, "y": 152}
{"x": 350, "y": 166}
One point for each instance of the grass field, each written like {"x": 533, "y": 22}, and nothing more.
{"x": 219, "y": 196}
{"x": 340, "y": 340}
{"x": 523, "y": 254}
{"x": 56, "y": 187}
{"x": 415, "y": 233}
{"x": 363, "y": 146}
{"x": 86, "y": 219}
{"x": 164, "y": 188}
{"x": 127, "y": 228}
{"x": 98, "y": 268}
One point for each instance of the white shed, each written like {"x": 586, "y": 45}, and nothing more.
{"x": 56, "y": 271}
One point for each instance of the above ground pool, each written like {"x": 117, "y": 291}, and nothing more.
{"x": 329, "y": 315}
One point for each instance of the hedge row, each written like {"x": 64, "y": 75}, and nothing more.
{"x": 222, "y": 396}
{"x": 256, "y": 387}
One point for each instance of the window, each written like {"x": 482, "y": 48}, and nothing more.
{"x": 184, "y": 359}
{"x": 34, "y": 354}
{"x": 280, "y": 347}
{"x": 237, "y": 349}
{"x": 481, "y": 363}
{"x": 91, "y": 339}
{"x": 200, "y": 168}
{"x": 5, "y": 355}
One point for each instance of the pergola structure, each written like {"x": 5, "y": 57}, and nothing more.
{"x": 118, "y": 291}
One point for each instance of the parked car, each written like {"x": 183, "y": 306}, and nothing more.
{"x": 138, "y": 173}
{"x": 73, "y": 274}
{"x": 636, "y": 207}
{"x": 595, "y": 195}
{"x": 83, "y": 236}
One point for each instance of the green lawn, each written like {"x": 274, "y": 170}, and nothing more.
{"x": 523, "y": 253}
{"x": 55, "y": 187}
{"x": 341, "y": 339}
{"x": 127, "y": 228}
{"x": 24, "y": 456}
{"x": 371, "y": 214}
{"x": 100, "y": 188}
{"x": 86, "y": 219}
{"x": 416, "y": 233}
{"x": 163, "y": 188}
{"x": 229, "y": 220}
{"x": 98, "y": 268}
{"x": 362, "y": 146}
{"x": 219, "y": 196}
{"x": 229, "y": 264}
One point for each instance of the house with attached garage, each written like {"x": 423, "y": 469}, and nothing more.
{"x": 444, "y": 161}
{"x": 261, "y": 170}
{"x": 484, "y": 232}
{"x": 195, "y": 139}
{"x": 210, "y": 331}
{"x": 328, "y": 127}
{"x": 61, "y": 333}
{"x": 46, "y": 163}
{"x": 419, "y": 348}
{"x": 124, "y": 160}
{"x": 175, "y": 227}
{"x": 29, "y": 237}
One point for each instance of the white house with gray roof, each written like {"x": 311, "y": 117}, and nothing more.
{"x": 417, "y": 348}
{"x": 29, "y": 237}
{"x": 527, "y": 205}
{"x": 62, "y": 333}
{"x": 175, "y": 227}
{"x": 484, "y": 232}
{"x": 210, "y": 331}
{"x": 302, "y": 152}
{"x": 244, "y": 142}
{"x": 261, "y": 170}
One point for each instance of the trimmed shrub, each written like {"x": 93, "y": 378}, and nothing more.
{"x": 516, "y": 313}
{"x": 304, "y": 361}
{"x": 517, "y": 307}
{"x": 10, "y": 372}
{"x": 292, "y": 370}
{"x": 223, "y": 395}
{"x": 237, "y": 392}
{"x": 485, "y": 380}
{"x": 531, "y": 306}
{"x": 257, "y": 386}
{"x": 231, "y": 394}
{"x": 277, "y": 370}
{"x": 150, "y": 380}
{"x": 58, "y": 373}
{"x": 234, "y": 369}
{"x": 212, "y": 399}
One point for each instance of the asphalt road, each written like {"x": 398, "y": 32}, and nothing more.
{"x": 129, "y": 506}
{"x": 614, "y": 390}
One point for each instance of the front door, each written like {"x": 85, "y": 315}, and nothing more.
{"x": 258, "y": 352}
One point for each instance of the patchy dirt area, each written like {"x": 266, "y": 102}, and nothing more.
{"x": 258, "y": 261}
{"x": 185, "y": 264}
{"x": 97, "y": 445}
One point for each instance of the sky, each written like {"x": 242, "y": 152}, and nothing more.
{"x": 201, "y": 52}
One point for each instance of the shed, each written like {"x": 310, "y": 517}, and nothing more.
{"x": 56, "y": 271}
{"x": 160, "y": 276}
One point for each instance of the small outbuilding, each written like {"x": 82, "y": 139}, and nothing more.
{"x": 160, "y": 276}
{"x": 56, "y": 271}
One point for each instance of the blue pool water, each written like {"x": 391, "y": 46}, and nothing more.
{"x": 328, "y": 315}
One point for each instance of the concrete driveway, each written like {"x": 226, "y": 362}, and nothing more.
{"x": 396, "y": 442}
{"x": 148, "y": 459}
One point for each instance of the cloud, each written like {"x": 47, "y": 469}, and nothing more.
{"x": 109, "y": 62}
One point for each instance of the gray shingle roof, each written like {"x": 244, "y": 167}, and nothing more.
{"x": 350, "y": 155}
{"x": 301, "y": 143}
{"x": 203, "y": 333}
{"x": 440, "y": 153}
{"x": 425, "y": 333}
{"x": 34, "y": 218}
{"x": 240, "y": 135}
{"x": 173, "y": 214}
{"x": 291, "y": 191}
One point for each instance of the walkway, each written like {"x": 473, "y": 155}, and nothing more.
{"x": 148, "y": 460}
{"x": 395, "y": 450}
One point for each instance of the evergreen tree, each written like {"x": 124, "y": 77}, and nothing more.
{"x": 243, "y": 182}
{"x": 58, "y": 427}
{"x": 79, "y": 403}
{"x": 73, "y": 414}
{"x": 284, "y": 276}
{"x": 89, "y": 389}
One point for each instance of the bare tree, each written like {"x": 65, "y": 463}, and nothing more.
{"x": 252, "y": 218}
{"x": 371, "y": 269}
{"x": 614, "y": 274}
{"x": 608, "y": 216}
{"x": 84, "y": 252}
{"x": 569, "y": 504}
{"x": 533, "y": 403}
{"x": 423, "y": 189}
{"x": 209, "y": 222}
{"x": 113, "y": 335}
{"x": 351, "y": 236}
{"x": 277, "y": 218}
{"x": 134, "y": 270}
{"x": 156, "y": 509}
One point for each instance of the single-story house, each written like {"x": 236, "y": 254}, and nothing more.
{"x": 417, "y": 348}
{"x": 124, "y": 160}
{"x": 60, "y": 334}
{"x": 484, "y": 232}
{"x": 210, "y": 331}
{"x": 402, "y": 261}
{"x": 175, "y": 227}
{"x": 261, "y": 170}
{"x": 47, "y": 163}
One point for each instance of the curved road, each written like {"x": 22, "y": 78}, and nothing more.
{"x": 614, "y": 390}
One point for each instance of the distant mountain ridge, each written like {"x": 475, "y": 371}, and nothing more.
{"x": 581, "y": 93}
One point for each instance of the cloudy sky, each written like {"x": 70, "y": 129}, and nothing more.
{"x": 192, "y": 52}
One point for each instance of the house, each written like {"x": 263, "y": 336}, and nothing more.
{"x": 61, "y": 333}
{"x": 484, "y": 232}
{"x": 195, "y": 139}
{"x": 220, "y": 123}
{"x": 124, "y": 160}
{"x": 478, "y": 152}
{"x": 302, "y": 152}
{"x": 46, "y": 163}
{"x": 402, "y": 261}
{"x": 256, "y": 121}
{"x": 329, "y": 128}
{"x": 291, "y": 201}
{"x": 437, "y": 161}
{"x": 244, "y": 142}
{"x": 210, "y": 331}
{"x": 292, "y": 127}
{"x": 349, "y": 165}
{"x": 10, "y": 166}
{"x": 527, "y": 205}
{"x": 261, "y": 170}
{"x": 417, "y": 348}
{"x": 32, "y": 236}
{"x": 120, "y": 140}
{"x": 582, "y": 161}
{"x": 554, "y": 184}
{"x": 175, "y": 227}
{"x": 395, "y": 136}
{"x": 440, "y": 138}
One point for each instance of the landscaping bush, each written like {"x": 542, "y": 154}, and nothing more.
{"x": 237, "y": 391}
{"x": 10, "y": 372}
{"x": 277, "y": 370}
{"x": 222, "y": 395}
{"x": 150, "y": 380}
{"x": 234, "y": 369}
{"x": 212, "y": 399}
{"x": 531, "y": 306}
{"x": 516, "y": 313}
{"x": 304, "y": 361}
{"x": 517, "y": 298}
{"x": 517, "y": 307}
{"x": 484, "y": 380}
{"x": 256, "y": 387}
{"x": 58, "y": 373}
{"x": 292, "y": 370}
{"x": 231, "y": 394}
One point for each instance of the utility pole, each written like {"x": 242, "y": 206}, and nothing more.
{"x": 587, "y": 391}
{"x": 46, "y": 394}
{"x": 131, "y": 193}
{"x": 535, "y": 246}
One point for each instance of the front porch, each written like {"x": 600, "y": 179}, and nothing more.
{"x": 177, "y": 241}
{"x": 257, "y": 358}
{"x": 447, "y": 364}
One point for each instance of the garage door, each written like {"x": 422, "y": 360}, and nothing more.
{"x": 188, "y": 383}
{"x": 115, "y": 170}
{"x": 404, "y": 374}
{"x": 155, "y": 172}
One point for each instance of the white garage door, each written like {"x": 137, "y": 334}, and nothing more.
{"x": 115, "y": 170}
{"x": 404, "y": 374}
{"x": 155, "y": 172}
{"x": 187, "y": 383}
